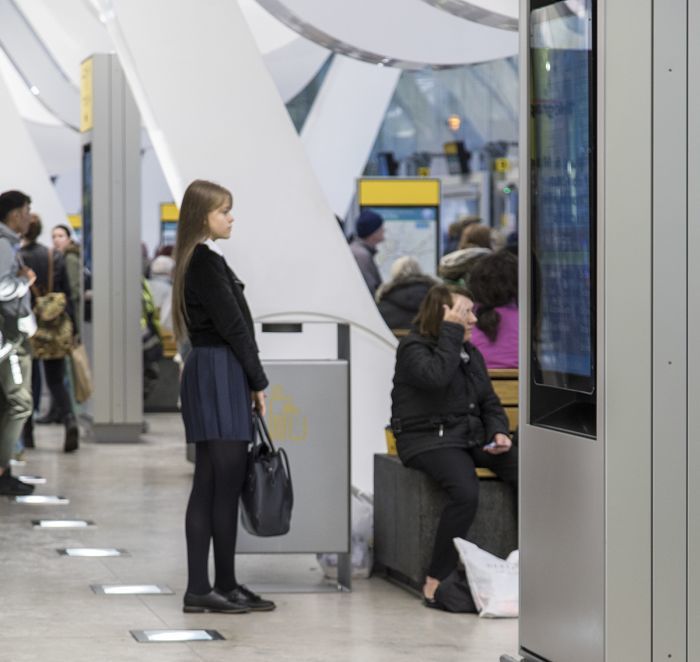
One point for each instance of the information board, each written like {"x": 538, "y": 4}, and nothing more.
{"x": 408, "y": 231}
{"x": 563, "y": 196}
{"x": 411, "y": 212}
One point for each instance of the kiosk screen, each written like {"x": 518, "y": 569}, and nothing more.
{"x": 563, "y": 195}
{"x": 87, "y": 207}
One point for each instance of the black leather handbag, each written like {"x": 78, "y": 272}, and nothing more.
{"x": 267, "y": 497}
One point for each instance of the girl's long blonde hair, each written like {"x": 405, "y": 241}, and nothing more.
{"x": 201, "y": 198}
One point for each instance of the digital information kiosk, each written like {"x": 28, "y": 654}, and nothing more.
{"x": 610, "y": 369}
{"x": 110, "y": 127}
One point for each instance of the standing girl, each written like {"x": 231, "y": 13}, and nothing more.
{"x": 222, "y": 381}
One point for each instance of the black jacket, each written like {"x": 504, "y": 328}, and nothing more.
{"x": 442, "y": 395}
{"x": 398, "y": 301}
{"x": 218, "y": 313}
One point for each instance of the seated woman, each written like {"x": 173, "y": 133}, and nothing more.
{"x": 398, "y": 299}
{"x": 447, "y": 418}
{"x": 494, "y": 284}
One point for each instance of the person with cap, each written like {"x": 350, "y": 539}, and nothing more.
{"x": 369, "y": 230}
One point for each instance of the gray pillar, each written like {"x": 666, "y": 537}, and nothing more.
{"x": 111, "y": 129}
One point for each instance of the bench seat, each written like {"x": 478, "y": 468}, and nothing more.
{"x": 407, "y": 507}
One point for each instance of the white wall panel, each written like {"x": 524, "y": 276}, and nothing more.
{"x": 22, "y": 167}
{"x": 213, "y": 112}
{"x": 343, "y": 124}
{"x": 410, "y": 31}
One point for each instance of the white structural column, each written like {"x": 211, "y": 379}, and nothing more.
{"x": 213, "y": 112}
{"x": 21, "y": 166}
{"x": 343, "y": 123}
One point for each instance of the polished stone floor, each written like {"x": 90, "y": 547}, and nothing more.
{"x": 136, "y": 495}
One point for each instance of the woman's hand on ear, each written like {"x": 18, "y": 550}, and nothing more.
{"x": 459, "y": 313}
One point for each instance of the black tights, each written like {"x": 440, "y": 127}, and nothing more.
{"x": 212, "y": 512}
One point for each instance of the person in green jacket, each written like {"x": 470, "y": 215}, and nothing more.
{"x": 62, "y": 241}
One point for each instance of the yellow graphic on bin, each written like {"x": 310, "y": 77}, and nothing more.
{"x": 286, "y": 420}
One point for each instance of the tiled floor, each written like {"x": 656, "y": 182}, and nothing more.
{"x": 136, "y": 494}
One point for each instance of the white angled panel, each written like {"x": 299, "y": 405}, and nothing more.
{"x": 217, "y": 115}
{"x": 24, "y": 170}
{"x": 343, "y": 123}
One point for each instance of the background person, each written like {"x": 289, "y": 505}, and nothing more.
{"x": 61, "y": 237}
{"x": 15, "y": 315}
{"x": 222, "y": 374}
{"x": 369, "y": 233}
{"x": 447, "y": 418}
{"x": 494, "y": 284}
{"x": 161, "y": 286}
{"x": 50, "y": 271}
{"x": 455, "y": 230}
{"x": 399, "y": 299}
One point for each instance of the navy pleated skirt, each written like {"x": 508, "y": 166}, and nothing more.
{"x": 215, "y": 396}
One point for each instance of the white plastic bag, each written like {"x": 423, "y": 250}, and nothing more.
{"x": 493, "y": 582}
{"x": 362, "y": 511}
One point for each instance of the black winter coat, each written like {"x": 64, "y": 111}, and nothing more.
{"x": 218, "y": 313}
{"x": 398, "y": 301}
{"x": 442, "y": 395}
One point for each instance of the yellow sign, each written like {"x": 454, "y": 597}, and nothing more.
{"x": 169, "y": 212}
{"x": 286, "y": 420}
{"x": 76, "y": 221}
{"x": 501, "y": 165}
{"x": 86, "y": 95}
{"x": 399, "y": 192}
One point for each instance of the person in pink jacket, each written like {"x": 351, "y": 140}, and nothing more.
{"x": 494, "y": 285}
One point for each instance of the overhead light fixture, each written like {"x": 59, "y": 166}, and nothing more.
{"x": 34, "y": 90}
{"x": 454, "y": 123}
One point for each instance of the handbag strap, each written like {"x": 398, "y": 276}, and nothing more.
{"x": 50, "y": 271}
{"x": 263, "y": 432}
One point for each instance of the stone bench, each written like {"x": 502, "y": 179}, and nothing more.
{"x": 407, "y": 507}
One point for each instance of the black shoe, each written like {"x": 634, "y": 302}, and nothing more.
{"x": 212, "y": 601}
{"x": 243, "y": 596}
{"x": 70, "y": 443}
{"x": 10, "y": 486}
{"x": 28, "y": 434}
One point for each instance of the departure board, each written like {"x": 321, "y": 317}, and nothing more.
{"x": 412, "y": 231}
{"x": 562, "y": 228}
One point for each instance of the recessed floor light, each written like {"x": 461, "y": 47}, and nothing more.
{"x": 162, "y": 636}
{"x": 32, "y": 480}
{"x": 44, "y": 500}
{"x": 131, "y": 589}
{"x": 62, "y": 523}
{"x": 92, "y": 552}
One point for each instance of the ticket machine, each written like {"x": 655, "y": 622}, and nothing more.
{"x": 610, "y": 370}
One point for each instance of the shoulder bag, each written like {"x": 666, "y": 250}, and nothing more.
{"x": 54, "y": 335}
{"x": 267, "y": 497}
